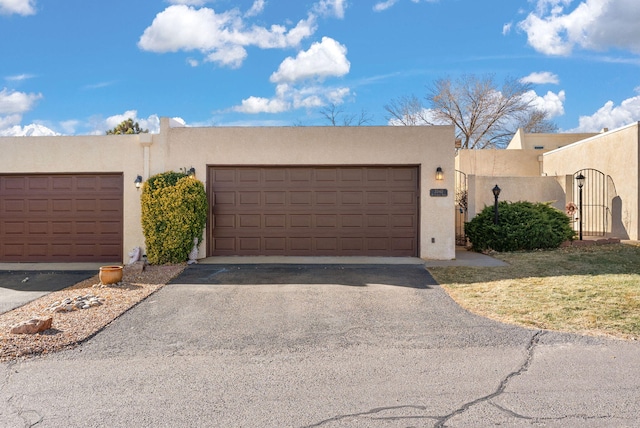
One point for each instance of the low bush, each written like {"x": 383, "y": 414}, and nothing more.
{"x": 174, "y": 212}
{"x": 521, "y": 226}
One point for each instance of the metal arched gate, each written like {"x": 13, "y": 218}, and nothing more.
{"x": 595, "y": 203}
{"x": 461, "y": 205}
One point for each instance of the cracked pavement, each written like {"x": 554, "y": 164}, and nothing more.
{"x": 321, "y": 346}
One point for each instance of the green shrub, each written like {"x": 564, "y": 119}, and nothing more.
{"x": 521, "y": 226}
{"x": 174, "y": 212}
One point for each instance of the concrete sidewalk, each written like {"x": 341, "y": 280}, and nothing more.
{"x": 463, "y": 258}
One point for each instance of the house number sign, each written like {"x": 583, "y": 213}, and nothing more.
{"x": 438, "y": 192}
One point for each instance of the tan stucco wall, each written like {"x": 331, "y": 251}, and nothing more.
{"x": 87, "y": 154}
{"x": 177, "y": 148}
{"x": 500, "y": 163}
{"x": 513, "y": 189}
{"x": 616, "y": 154}
{"x": 428, "y": 147}
{"x": 524, "y": 141}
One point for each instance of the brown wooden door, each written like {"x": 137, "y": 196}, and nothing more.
{"x": 313, "y": 211}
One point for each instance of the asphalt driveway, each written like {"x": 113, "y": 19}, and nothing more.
{"x": 22, "y": 286}
{"x": 321, "y": 346}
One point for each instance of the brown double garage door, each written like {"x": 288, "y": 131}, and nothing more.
{"x": 313, "y": 211}
{"x": 61, "y": 217}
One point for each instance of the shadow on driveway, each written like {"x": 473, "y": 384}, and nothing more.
{"x": 413, "y": 276}
{"x": 20, "y": 287}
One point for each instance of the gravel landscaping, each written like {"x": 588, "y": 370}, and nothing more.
{"x": 73, "y": 327}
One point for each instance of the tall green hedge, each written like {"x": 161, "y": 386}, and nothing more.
{"x": 521, "y": 226}
{"x": 174, "y": 211}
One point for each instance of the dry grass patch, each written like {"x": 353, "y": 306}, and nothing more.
{"x": 588, "y": 290}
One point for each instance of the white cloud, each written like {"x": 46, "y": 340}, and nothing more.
{"x": 221, "y": 37}
{"x": 330, "y": 8}
{"x": 288, "y": 97}
{"x": 256, "y": 8}
{"x": 541, "y": 78}
{"x": 189, "y": 2}
{"x": 506, "y": 28}
{"x": 255, "y": 105}
{"x": 592, "y": 25}
{"x": 611, "y": 116}
{"x": 324, "y": 59}
{"x": 550, "y": 102}
{"x": 384, "y": 5}
{"x": 17, "y": 102}
{"x": 19, "y": 7}
{"x": 19, "y": 77}
{"x": 152, "y": 123}
{"x": 297, "y": 78}
{"x": 32, "y": 130}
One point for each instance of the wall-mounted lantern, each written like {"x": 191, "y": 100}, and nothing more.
{"x": 439, "y": 174}
{"x": 192, "y": 172}
{"x": 138, "y": 182}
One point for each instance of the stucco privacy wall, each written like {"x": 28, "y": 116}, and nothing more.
{"x": 526, "y": 141}
{"x": 428, "y": 147}
{"x": 616, "y": 154}
{"x": 500, "y": 163}
{"x": 87, "y": 154}
{"x": 513, "y": 189}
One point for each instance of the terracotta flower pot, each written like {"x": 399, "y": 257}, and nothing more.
{"x": 110, "y": 274}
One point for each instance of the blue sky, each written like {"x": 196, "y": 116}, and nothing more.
{"x": 77, "y": 67}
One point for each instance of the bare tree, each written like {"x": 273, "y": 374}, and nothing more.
{"x": 336, "y": 116}
{"x": 407, "y": 111}
{"x": 484, "y": 114}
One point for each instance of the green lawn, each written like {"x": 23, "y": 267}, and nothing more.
{"x": 588, "y": 290}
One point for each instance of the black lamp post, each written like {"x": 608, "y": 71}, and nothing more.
{"x": 580, "y": 180}
{"x": 496, "y": 193}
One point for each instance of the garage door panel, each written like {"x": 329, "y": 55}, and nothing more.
{"x": 225, "y": 198}
{"x": 250, "y": 244}
{"x": 326, "y": 220}
{"x": 313, "y": 211}
{"x": 62, "y": 205}
{"x": 61, "y": 217}
{"x": 249, "y": 198}
{"x": 13, "y": 206}
{"x": 301, "y": 198}
{"x": 61, "y": 227}
{"x": 326, "y": 197}
{"x": 250, "y": 221}
{"x": 13, "y": 228}
{"x": 278, "y": 199}
{"x": 62, "y": 183}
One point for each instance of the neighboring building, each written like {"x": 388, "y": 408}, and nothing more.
{"x": 543, "y": 167}
{"x": 312, "y": 191}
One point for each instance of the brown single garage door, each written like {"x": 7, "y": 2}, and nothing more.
{"x": 61, "y": 217}
{"x": 321, "y": 211}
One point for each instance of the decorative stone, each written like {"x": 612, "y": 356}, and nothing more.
{"x": 137, "y": 267}
{"x": 32, "y": 326}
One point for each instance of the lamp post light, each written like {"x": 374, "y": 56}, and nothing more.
{"x": 496, "y": 193}
{"x": 580, "y": 180}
